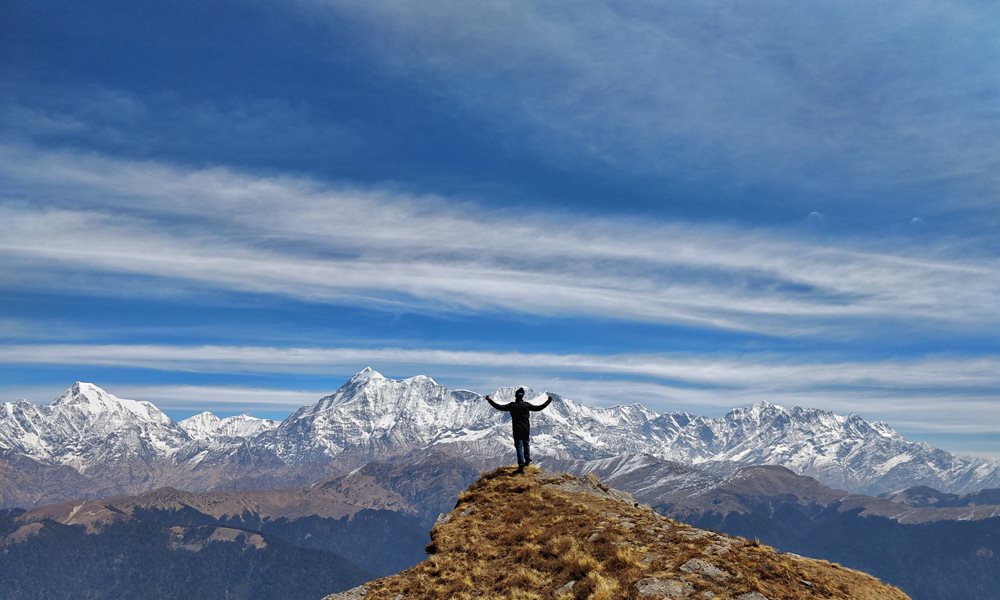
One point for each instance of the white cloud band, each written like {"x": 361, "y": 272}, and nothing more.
{"x": 88, "y": 220}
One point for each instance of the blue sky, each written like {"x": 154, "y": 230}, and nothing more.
{"x": 234, "y": 206}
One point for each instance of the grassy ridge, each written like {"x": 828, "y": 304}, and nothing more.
{"x": 553, "y": 536}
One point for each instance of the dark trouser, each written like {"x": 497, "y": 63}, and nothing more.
{"x": 523, "y": 449}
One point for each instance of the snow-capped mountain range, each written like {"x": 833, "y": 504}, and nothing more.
{"x": 131, "y": 445}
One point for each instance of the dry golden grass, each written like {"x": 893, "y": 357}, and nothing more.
{"x": 528, "y": 536}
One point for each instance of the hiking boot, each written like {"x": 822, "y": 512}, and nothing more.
{"x": 527, "y": 462}
{"x": 520, "y": 470}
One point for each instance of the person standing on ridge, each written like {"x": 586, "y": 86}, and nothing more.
{"x": 519, "y": 410}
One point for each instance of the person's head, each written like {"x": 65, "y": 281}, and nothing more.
{"x": 519, "y": 394}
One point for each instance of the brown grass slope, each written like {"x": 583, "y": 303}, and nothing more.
{"x": 290, "y": 503}
{"x": 545, "y": 535}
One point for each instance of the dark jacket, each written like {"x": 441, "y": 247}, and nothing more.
{"x": 519, "y": 415}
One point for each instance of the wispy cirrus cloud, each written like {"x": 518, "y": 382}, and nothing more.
{"x": 863, "y": 101}
{"x": 768, "y": 373}
{"x": 745, "y": 137}
{"x": 83, "y": 220}
{"x": 144, "y": 123}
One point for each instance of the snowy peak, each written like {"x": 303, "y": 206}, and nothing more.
{"x": 758, "y": 413}
{"x": 372, "y": 393}
{"x": 884, "y": 429}
{"x": 81, "y": 391}
{"x": 88, "y": 428}
{"x": 763, "y": 419}
{"x": 373, "y": 414}
{"x": 206, "y": 427}
{"x": 370, "y": 375}
{"x": 93, "y": 403}
{"x": 365, "y": 375}
{"x": 201, "y": 423}
{"x": 244, "y": 426}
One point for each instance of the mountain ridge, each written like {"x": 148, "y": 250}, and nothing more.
{"x": 130, "y": 446}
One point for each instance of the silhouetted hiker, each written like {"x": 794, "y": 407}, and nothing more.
{"x": 519, "y": 410}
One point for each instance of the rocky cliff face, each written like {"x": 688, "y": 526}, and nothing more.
{"x": 548, "y": 535}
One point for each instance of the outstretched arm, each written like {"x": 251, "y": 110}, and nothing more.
{"x": 505, "y": 407}
{"x": 541, "y": 406}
